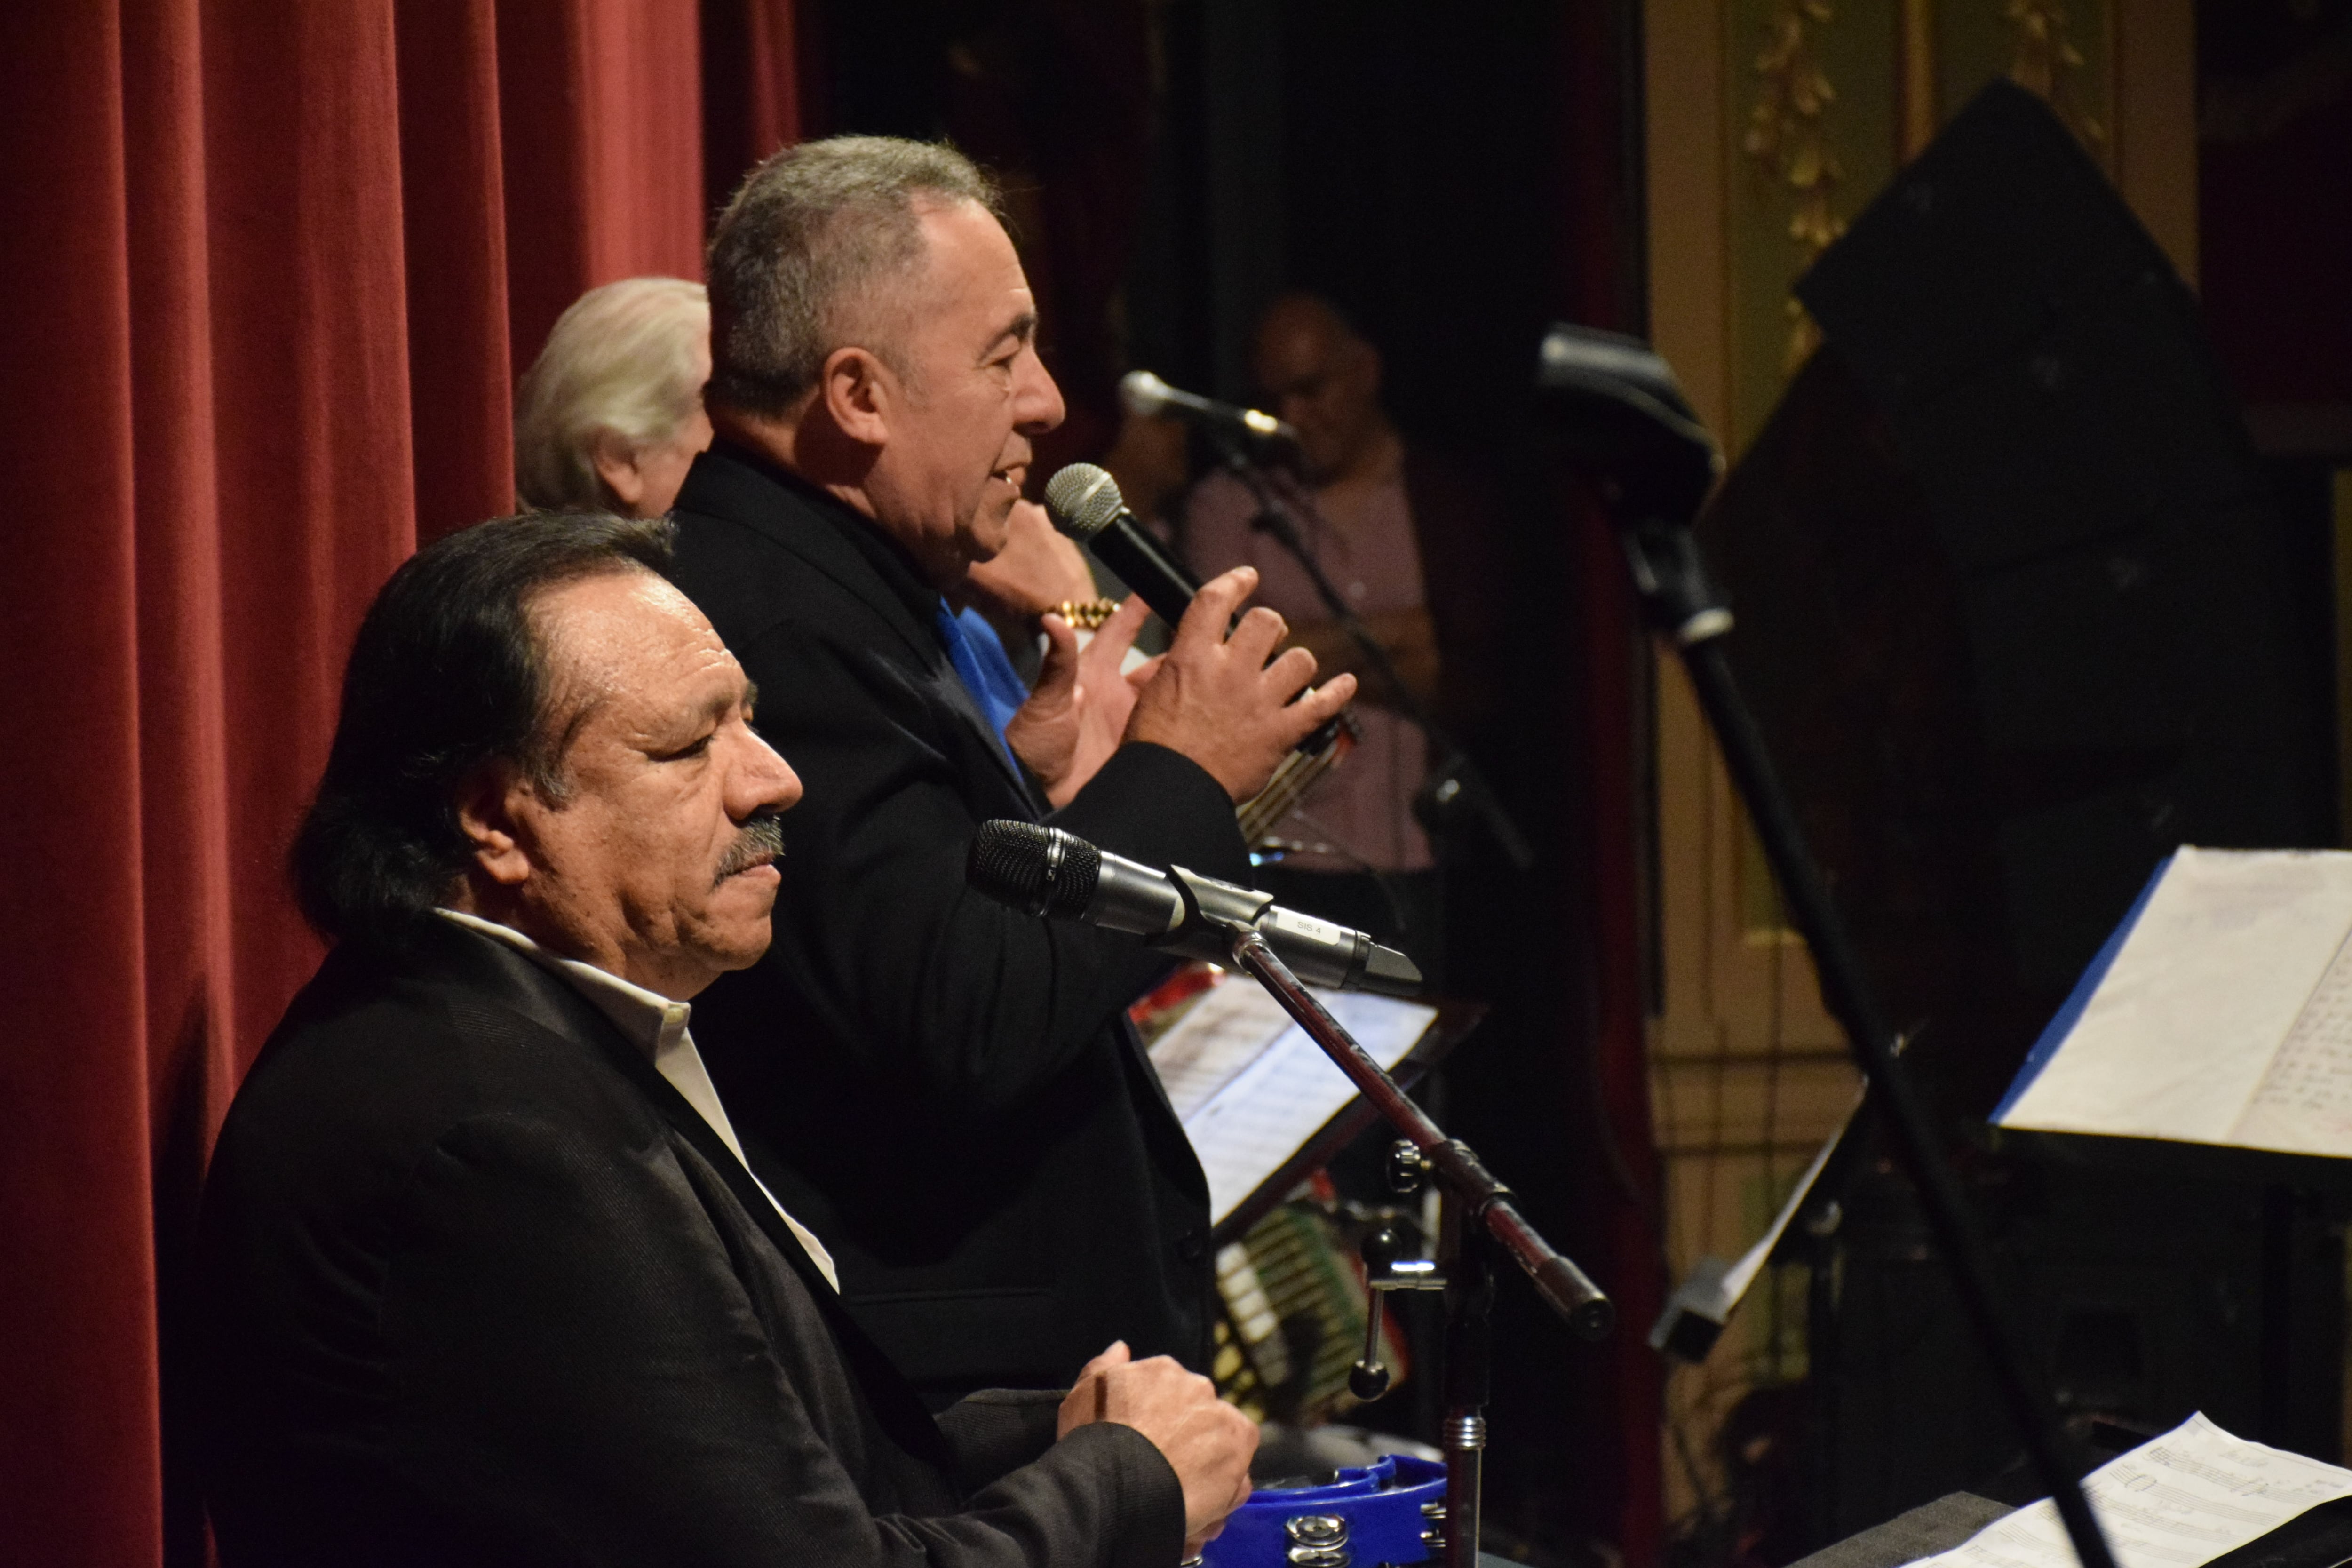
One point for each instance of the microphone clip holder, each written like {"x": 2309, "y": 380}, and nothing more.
{"x": 1477, "y": 1216}
{"x": 1222, "y": 906}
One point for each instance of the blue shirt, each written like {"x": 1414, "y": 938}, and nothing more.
{"x": 980, "y": 664}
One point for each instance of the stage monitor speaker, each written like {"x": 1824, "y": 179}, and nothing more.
{"x": 2015, "y": 608}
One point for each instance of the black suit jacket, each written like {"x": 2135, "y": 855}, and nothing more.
{"x": 944, "y": 1089}
{"x": 479, "y": 1287}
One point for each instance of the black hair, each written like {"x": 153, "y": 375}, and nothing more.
{"x": 447, "y": 673}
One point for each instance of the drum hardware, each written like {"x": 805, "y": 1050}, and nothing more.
{"x": 1316, "y": 1540}
{"x": 1374, "y": 1516}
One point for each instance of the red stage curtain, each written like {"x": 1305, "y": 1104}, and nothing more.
{"x": 269, "y": 269}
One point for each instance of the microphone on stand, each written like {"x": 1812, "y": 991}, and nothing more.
{"x": 1261, "y": 433}
{"x": 1047, "y": 871}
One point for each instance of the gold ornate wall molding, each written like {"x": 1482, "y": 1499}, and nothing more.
{"x": 1748, "y": 1071}
{"x": 2048, "y": 63}
{"x": 1789, "y": 146}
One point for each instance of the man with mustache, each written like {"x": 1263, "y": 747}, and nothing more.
{"x": 947, "y": 1091}
{"x": 484, "y": 1276}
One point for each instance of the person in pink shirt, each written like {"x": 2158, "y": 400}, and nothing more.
{"x": 1403, "y": 536}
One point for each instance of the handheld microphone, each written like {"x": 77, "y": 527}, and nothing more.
{"x": 1084, "y": 503}
{"x": 1045, "y": 872}
{"x": 1145, "y": 394}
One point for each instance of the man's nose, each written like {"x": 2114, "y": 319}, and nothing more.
{"x": 764, "y": 781}
{"x": 1037, "y": 404}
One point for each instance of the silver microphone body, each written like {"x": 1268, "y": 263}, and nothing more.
{"x": 1047, "y": 871}
{"x": 1145, "y": 394}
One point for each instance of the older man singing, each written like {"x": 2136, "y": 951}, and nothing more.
{"x": 948, "y": 1092}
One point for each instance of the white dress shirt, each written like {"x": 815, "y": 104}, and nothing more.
{"x": 657, "y": 1025}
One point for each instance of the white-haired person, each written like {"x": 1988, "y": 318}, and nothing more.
{"x": 610, "y": 416}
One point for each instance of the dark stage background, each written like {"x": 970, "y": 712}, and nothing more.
{"x": 271, "y": 268}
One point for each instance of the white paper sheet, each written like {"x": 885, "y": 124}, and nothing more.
{"x": 1250, "y": 1087}
{"x": 2177, "y": 1501}
{"x": 2198, "y": 1013}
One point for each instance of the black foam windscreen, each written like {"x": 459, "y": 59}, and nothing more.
{"x": 1035, "y": 868}
{"x": 2015, "y": 608}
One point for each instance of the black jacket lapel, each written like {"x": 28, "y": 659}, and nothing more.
{"x": 528, "y": 988}
{"x": 729, "y": 482}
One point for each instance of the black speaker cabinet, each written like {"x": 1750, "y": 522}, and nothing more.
{"x": 2017, "y": 617}
{"x": 2014, "y": 606}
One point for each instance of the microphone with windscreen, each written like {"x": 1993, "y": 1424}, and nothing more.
{"x": 1045, "y": 872}
{"x": 1084, "y": 503}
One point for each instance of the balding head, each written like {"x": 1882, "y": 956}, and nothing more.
{"x": 1317, "y": 371}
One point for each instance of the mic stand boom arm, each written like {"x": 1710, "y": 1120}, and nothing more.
{"x": 1474, "y": 1202}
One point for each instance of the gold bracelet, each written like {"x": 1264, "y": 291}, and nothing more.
{"x": 1087, "y": 615}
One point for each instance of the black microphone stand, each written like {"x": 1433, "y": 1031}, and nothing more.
{"x": 1654, "y": 465}
{"x": 1455, "y": 780}
{"x": 1477, "y": 1216}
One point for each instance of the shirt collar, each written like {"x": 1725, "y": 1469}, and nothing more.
{"x": 652, "y": 1023}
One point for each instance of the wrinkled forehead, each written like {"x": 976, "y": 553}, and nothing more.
{"x": 627, "y": 643}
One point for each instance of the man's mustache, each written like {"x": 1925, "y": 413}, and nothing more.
{"x": 761, "y": 840}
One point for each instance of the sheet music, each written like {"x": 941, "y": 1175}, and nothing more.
{"x": 2306, "y": 1097}
{"x": 2233, "y": 953}
{"x": 1250, "y": 1088}
{"x": 2177, "y": 1501}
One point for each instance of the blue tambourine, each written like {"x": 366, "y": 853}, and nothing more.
{"x": 1390, "y": 1512}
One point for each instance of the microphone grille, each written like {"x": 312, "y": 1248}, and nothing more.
{"x": 1035, "y": 868}
{"x": 1083, "y": 499}
{"x": 1142, "y": 392}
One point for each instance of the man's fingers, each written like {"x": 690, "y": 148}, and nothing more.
{"x": 1116, "y": 635}
{"x": 1140, "y": 676}
{"x": 1312, "y": 711}
{"x": 1115, "y": 1354}
{"x": 1058, "y": 676}
{"x": 1260, "y": 633}
{"x": 1327, "y": 700}
{"x": 1288, "y": 676}
{"x": 1214, "y": 605}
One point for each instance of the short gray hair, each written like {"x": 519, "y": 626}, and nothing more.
{"x": 627, "y": 358}
{"x": 813, "y": 228}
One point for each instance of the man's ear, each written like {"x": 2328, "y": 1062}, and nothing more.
{"x": 615, "y": 458}
{"x": 485, "y": 816}
{"x": 860, "y": 393}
